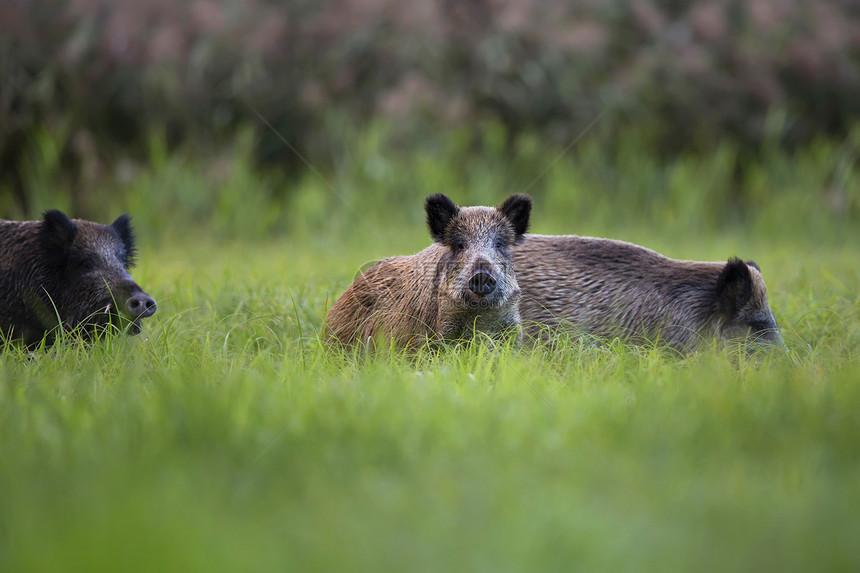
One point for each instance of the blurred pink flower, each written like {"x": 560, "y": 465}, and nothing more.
{"x": 585, "y": 37}
{"x": 648, "y": 17}
{"x": 207, "y": 16}
{"x": 708, "y": 20}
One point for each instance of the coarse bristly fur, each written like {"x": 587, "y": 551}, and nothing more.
{"x": 442, "y": 292}
{"x": 69, "y": 272}
{"x": 611, "y": 289}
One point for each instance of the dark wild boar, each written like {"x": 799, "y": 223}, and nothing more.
{"x": 462, "y": 284}
{"x": 612, "y": 289}
{"x": 70, "y": 273}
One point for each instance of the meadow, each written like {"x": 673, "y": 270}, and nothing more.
{"x": 225, "y": 437}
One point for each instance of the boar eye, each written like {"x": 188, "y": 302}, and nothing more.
{"x": 458, "y": 246}
{"x": 500, "y": 245}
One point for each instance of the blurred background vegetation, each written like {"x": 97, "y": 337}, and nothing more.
{"x": 250, "y": 118}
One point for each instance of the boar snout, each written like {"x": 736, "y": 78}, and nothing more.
{"x": 482, "y": 283}
{"x": 140, "y": 305}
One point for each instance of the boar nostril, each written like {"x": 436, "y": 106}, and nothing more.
{"x": 140, "y": 305}
{"x": 482, "y": 283}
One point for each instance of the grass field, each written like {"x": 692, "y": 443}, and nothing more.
{"x": 226, "y": 438}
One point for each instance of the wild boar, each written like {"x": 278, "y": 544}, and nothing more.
{"x": 461, "y": 284}
{"x": 70, "y": 274}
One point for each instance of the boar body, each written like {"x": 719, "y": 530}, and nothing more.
{"x": 610, "y": 289}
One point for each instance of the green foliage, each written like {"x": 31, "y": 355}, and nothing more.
{"x": 687, "y": 75}
{"x": 378, "y": 182}
{"x": 224, "y": 195}
{"x": 225, "y": 437}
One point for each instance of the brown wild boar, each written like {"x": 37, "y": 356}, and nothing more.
{"x": 612, "y": 289}
{"x": 461, "y": 284}
{"x": 70, "y": 273}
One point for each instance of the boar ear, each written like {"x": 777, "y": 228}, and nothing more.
{"x": 753, "y": 265}
{"x": 58, "y": 230}
{"x": 440, "y": 210}
{"x": 734, "y": 287}
{"x": 517, "y": 208}
{"x": 123, "y": 228}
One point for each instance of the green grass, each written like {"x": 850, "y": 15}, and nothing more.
{"x": 225, "y": 438}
